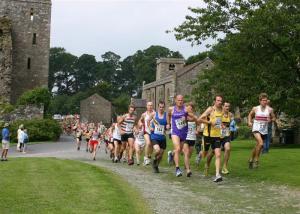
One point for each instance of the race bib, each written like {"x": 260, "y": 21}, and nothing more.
{"x": 225, "y": 132}
{"x": 180, "y": 123}
{"x": 218, "y": 122}
{"x": 159, "y": 130}
{"x": 261, "y": 127}
{"x": 129, "y": 127}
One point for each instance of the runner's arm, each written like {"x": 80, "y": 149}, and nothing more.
{"x": 250, "y": 117}
{"x": 170, "y": 110}
{"x": 203, "y": 117}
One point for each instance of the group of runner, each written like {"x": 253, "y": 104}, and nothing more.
{"x": 130, "y": 135}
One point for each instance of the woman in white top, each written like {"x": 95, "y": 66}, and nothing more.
{"x": 258, "y": 120}
{"x": 139, "y": 142}
{"x": 146, "y": 119}
{"x": 116, "y": 134}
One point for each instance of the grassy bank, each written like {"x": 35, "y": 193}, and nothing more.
{"x": 48, "y": 185}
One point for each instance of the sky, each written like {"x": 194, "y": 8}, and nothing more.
{"x": 121, "y": 26}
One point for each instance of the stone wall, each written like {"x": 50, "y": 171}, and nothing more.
{"x": 31, "y": 42}
{"x": 5, "y": 59}
{"x": 24, "y": 113}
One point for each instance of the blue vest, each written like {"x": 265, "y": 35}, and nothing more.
{"x": 156, "y": 135}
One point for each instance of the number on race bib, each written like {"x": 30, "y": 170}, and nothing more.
{"x": 180, "y": 123}
{"x": 159, "y": 129}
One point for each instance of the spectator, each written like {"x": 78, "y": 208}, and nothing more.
{"x": 25, "y": 140}
{"x": 233, "y": 129}
{"x": 5, "y": 142}
{"x": 21, "y": 127}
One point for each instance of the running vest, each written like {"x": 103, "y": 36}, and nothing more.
{"x": 139, "y": 137}
{"x": 191, "y": 135}
{"x": 159, "y": 129}
{"x": 179, "y": 122}
{"x": 116, "y": 132}
{"x": 95, "y": 135}
{"x": 147, "y": 123}
{"x": 260, "y": 122}
{"x": 214, "y": 131}
{"x": 127, "y": 124}
{"x": 225, "y": 131}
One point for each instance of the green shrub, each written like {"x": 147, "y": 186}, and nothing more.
{"x": 244, "y": 132}
{"x": 36, "y": 96}
{"x": 38, "y": 129}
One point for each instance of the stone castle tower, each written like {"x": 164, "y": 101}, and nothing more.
{"x": 24, "y": 46}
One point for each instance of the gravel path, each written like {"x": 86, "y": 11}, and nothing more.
{"x": 167, "y": 194}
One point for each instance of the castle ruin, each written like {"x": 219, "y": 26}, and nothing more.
{"x": 24, "y": 46}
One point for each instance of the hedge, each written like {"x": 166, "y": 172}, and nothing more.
{"x": 37, "y": 129}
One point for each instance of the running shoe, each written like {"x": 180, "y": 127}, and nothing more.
{"x": 178, "y": 173}
{"x": 87, "y": 150}
{"x": 225, "y": 171}
{"x": 189, "y": 174}
{"x": 78, "y": 148}
{"x": 250, "y": 164}
{"x": 116, "y": 160}
{"x": 155, "y": 169}
{"x": 130, "y": 162}
{"x": 147, "y": 161}
{"x": 218, "y": 178}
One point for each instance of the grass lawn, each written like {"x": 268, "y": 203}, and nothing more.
{"x": 280, "y": 166}
{"x": 49, "y": 185}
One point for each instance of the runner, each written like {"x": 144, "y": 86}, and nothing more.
{"x": 158, "y": 137}
{"x": 94, "y": 141}
{"x": 225, "y": 137}
{"x": 190, "y": 141}
{"x": 212, "y": 119}
{"x": 139, "y": 140}
{"x": 87, "y": 135}
{"x": 127, "y": 123}
{"x": 146, "y": 119}
{"x": 78, "y": 133}
{"x": 178, "y": 116}
{"x": 200, "y": 152}
{"x": 258, "y": 120}
{"x": 116, "y": 129}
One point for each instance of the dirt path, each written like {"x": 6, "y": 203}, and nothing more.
{"x": 167, "y": 194}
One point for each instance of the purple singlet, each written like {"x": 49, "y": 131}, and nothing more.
{"x": 179, "y": 123}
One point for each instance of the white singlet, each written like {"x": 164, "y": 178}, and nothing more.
{"x": 260, "y": 122}
{"x": 191, "y": 135}
{"x": 147, "y": 123}
{"x": 139, "y": 138}
{"x": 116, "y": 132}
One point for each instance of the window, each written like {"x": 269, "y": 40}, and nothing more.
{"x": 171, "y": 67}
{"x": 1, "y": 32}
{"x": 31, "y": 14}
{"x": 34, "y": 39}
{"x": 28, "y": 63}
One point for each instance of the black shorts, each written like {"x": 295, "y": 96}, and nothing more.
{"x": 118, "y": 141}
{"x": 213, "y": 142}
{"x": 87, "y": 139}
{"x": 225, "y": 140}
{"x": 79, "y": 138}
{"x": 125, "y": 137}
{"x": 190, "y": 142}
{"x": 263, "y": 136}
{"x": 162, "y": 143}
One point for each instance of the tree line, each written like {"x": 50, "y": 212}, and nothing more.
{"x": 73, "y": 78}
{"x": 258, "y": 50}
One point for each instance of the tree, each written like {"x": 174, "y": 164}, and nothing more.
{"x": 260, "y": 52}
{"x": 61, "y": 71}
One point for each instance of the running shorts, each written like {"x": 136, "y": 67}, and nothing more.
{"x": 213, "y": 142}
{"x": 125, "y": 137}
{"x": 94, "y": 142}
{"x": 162, "y": 143}
{"x": 225, "y": 140}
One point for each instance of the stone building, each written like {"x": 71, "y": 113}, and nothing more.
{"x": 95, "y": 109}
{"x": 173, "y": 77}
{"x": 24, "y": 46}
